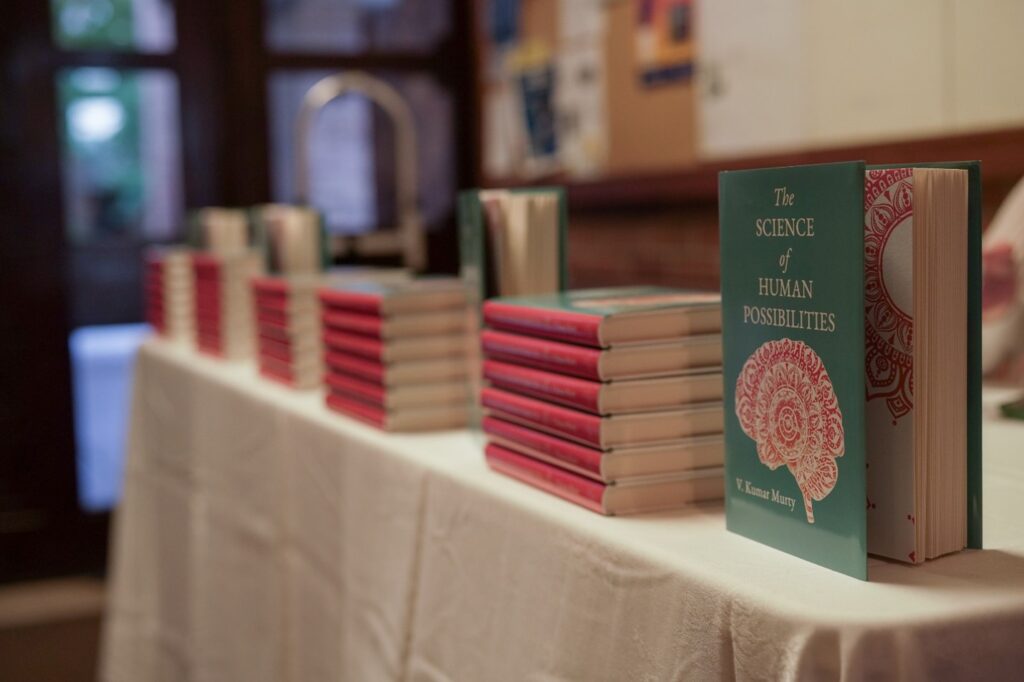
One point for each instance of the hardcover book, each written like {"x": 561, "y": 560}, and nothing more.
{"x": 399, "y": 397}
{"x": 416, "y": 419}
{"x": 398, "y": 373}
{"x": 293, "y": 238}
{"x": 849, "y": 314}
{"x": 612, "y": 397}
{"x": 397, "y": 326}
{"x": 397, "y": 350}
{"x": 605, "y": 364}
{"x": 512, "y": 241}
{"x": 604, "y": 433}
{"x": 427, "y": 294}
{"x": 608, "y": 317}
{"x": 628, "y": 497}
{"x": 607, "y": 466}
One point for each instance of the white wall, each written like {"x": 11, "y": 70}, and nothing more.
{"x": 794, "y": 74}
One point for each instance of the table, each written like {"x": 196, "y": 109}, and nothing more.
{"x": 262, "y": 537}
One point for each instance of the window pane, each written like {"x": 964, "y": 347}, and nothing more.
{"x": 121, "y": 154}
{"x": 122, "y": 184}
{"x": 345, "y": 26}
{"x": 102, "y": 362}
{"x": 351, "y": 154}
{"x": 141, "y": 25}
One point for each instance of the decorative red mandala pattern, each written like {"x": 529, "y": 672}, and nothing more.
{"x": 889, "y": 331}
{"x": 786, "y": 403}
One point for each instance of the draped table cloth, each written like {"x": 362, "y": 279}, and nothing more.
{"x": 262, "y": 537}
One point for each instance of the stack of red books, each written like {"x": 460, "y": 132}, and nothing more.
{"x": 168, "y": 294}
{"x": 223, "y": 305}
{"x": 395, "y": 354}
{"x": 611, "y": 398}
{"x": 288, "y": 329}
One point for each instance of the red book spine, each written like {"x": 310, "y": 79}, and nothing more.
{"x": 354, "y": 408}
{"x": 362, "y": 390}
{"x": 565, "y": 484}
{"x": 562, "y": 420}
{"x": 550, "y": 355}
{"x": 549, "y": 322}
{"x": 277, "y": 350}
{"x": 572, "y": 454}
{"x": 351, "y": 300}
{"x": 274, "y": 318}
{"x": 558, "y": 388}
{"x": 275, "y": 332}
{"x": 209, "y": 287}
{"x": 277, "y": 304}
{"x": 367, "y": 370}
{"x": 368, "y": 325}
{"x": 270, "y": 286}
{"x": 353, "y": 343}
{"x": 210, "y": 344}
{"x": 205, "y": 308}
{"x": 157, "y": 318}
{"x": 277, "y": 371}
{"x": 205, "y": 267}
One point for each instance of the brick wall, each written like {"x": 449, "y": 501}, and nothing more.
{"x": 677, "y": 247}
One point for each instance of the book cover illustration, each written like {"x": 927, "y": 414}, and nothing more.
{"x": 786, "y": 404}
{"x": 889, "y": 360}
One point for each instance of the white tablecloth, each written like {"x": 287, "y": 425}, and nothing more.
{"x": 262, "y": 537}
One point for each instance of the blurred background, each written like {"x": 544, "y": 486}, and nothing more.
{"x": 119, "y": 117}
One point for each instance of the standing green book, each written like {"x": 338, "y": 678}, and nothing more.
{"x": 849, "y": 315}
{"x": 512, "y": 242}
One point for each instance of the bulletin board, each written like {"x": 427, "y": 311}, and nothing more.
{"x": 586, "y": 89}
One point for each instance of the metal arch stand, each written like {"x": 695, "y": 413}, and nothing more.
{"x": 408, "y": 239}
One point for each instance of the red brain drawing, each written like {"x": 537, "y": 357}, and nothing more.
{"x": 786, "y": 404}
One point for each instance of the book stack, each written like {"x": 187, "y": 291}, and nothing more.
{"x": 287, "y": 309}
{"x": 288, "y": 329}
{"x": 168, "y": 294}
{"x": 223, "y": 305}
{"x": 395, "y": 353}
{"x": 610, "y": 398}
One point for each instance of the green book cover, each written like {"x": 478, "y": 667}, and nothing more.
{"x": 476, "y": 254}
{"x": 792, "y": 254}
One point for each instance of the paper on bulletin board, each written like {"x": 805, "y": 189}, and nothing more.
{"x": 503, "y": 131}
{"x": 580, "y": 21}
{"x": 664, "y": 41}
{"x": 582, "y": 108}
{"x": 533, "y": 72}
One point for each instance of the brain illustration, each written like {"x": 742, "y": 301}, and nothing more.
{"x": 786, "y": 404}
